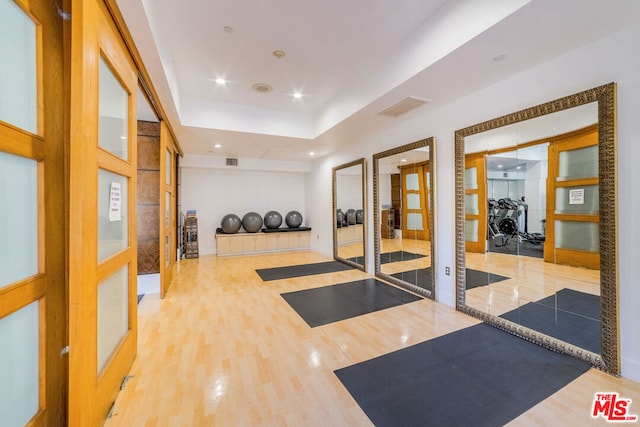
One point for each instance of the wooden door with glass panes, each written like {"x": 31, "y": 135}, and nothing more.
{"x": 573, "y": 211}
{"x": 102, "y": 229}
{"x": 475, "y": 203}
{"x": 415, "y": 215}
{"x": 33, "y": 331}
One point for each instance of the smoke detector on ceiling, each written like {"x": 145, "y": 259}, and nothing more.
{"x": 261, "y": 88}
{"x": 404, "y": 106}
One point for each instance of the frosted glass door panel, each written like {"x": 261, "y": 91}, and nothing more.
{"x": 113, "y": 314}
{"x": 19, "y": 368}
{"x": 582, "y": 200}
{"x": 412, "y": 182}
{"x": 167, "y": 208}
{"x": 18, "y": 218}
{"x": 167, "y": 173}
{"x": 413, "y": 201}
{"x": 581, "y": 236}
{"x": 112, "y": 213}
{"x": 18, "y": 72}
{"x": 471, "y": 179}
{"x": 471, "y": 230}
{"x": 579, "y": 163}
{"x": 471, "y": 204}
{"x": 113, "y": 111}
{"x": 414, "y": 221}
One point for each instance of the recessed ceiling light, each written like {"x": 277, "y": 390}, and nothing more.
{"x": 312, "y": 153}
{"x": 499, "y": 166}
{"x": 261, "y": 88}
{"x": 403, "y": 160}
{"x": 221, "y": 81}
{"x": 297, "y": 95}
{"x": 217, "y": 145}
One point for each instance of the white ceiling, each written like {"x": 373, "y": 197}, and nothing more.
{"x": 349, "y": 59}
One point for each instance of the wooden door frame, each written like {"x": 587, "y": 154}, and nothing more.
{"x": 91, "y": 393}
{"x": 419, "y": 169}
{"x": 167, "y": 231}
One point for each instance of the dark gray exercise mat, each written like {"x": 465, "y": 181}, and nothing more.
{"x": 420, "y": 277}
{"x": 277, "y": 273}
{"x": 475, "y": 278}
{"x": 478, "y": 376}
{"x": 328, "y": 304}
{"x": 568, "y": 315}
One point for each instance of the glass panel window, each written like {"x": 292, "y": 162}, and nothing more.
{"x": 414, "y": 221}
{"x": 18, "y": 218}
{"x": 18, "y": 72}
{"x": 471, "y": 179}
{"x": 471, "y": 204}
{"x": 19, "y": 367}
{"x": 167, "y": 208}
{"x": 113, "y": 314}
{"x": 579, "y": 163}
{"x": 413, "y": 201}
{"x": 471, "y": 230}
{"x": 113, "y": 110}
{"x": 581, "y": 236}
{"x": 582, "y": 200}
{"x": 167, "y": 177}
{"x": 112, "y": 213}
{"x": 412, "y": 182}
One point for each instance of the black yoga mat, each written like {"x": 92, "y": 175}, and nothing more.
{"x": 328, "y": 304}
{"x": 277, "y": 273}
{"x": 477, "y": 278}
{"x": 569, "y": 315}
{"x": 398, "y": 256}
{"x": 478, "y": 376}
{"x": 420, "y": 277}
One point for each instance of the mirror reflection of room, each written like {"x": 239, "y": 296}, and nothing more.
{"x": 404, "y": 210}
{"x": 532, "y": 224}
{"x": 349, "y": 208}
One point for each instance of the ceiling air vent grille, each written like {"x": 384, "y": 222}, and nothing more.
{"x": 404, "y": 106}
{"x": 232, "y": 162}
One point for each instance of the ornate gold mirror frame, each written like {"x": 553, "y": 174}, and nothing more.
{"x": 427, "y": 148}
{"x": 605, "y": 96}
{"x": 350, "y": 230}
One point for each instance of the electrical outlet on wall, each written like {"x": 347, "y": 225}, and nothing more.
{"x": 447, "y": 271}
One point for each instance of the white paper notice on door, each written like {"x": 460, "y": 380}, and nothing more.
{"x": 115, "y": 203}
{"x": 576, "y": 196}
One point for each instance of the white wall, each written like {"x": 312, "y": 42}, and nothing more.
{"x": 606, "y": 60}
{"x": 216, "y": 191}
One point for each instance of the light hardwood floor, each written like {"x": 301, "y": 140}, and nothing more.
{"x": 224, "y": 349}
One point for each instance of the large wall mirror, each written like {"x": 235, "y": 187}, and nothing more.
{"x": 349, "y": 213}
{"x": 536, "y": 230}
{"x": 403, "y": 202}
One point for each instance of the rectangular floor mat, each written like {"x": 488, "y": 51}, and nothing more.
{"x": 328, "y": 304}
{"x": 277, "y": 273}
{"x": 478, "y": 376}
{"x": 568, "y": 315}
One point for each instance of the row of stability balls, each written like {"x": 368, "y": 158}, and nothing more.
{"x": 252, "y": 221}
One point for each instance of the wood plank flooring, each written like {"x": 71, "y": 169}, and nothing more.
{"x": 224, "y": 349}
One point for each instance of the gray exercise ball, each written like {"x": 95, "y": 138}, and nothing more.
{"x": 351, "y": 216}
{"x": 359, "y": 216}
{"x": 230, "y": 223}
{"x": 272, "y": 219}
{"x": 293, "y": 219}
{"x": 252, "y": 222}
{"x": 340, "y": 218}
